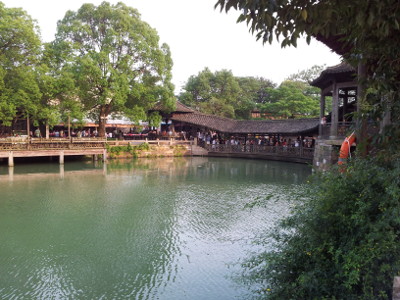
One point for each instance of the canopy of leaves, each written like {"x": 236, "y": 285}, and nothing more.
{"x": 341, "y": 243}
{"x": 223, "y": 94}
{"x": 291, "y": 100}
{"x": 116, "y": 59}
{"x": 19, "y": 50}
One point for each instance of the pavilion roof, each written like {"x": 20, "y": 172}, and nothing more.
{"x": 342, "y": 72}
{"x": 225, "y": 125}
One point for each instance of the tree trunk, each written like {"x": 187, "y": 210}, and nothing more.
{"x": 28, "y": 127}
{"x": 47, "y": 131}
{"x": 104, "y": 112}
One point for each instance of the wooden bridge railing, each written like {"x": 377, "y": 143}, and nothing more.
{"x": 302, "y": 152}
{"x": 15, "y": 144}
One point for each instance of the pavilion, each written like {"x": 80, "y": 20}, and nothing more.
{"x": 340, "y": 83}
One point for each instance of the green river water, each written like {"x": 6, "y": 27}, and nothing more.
{"x": 145, "y": 229}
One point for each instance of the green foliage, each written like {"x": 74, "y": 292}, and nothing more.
{"x": 223, "y": 94}
{"x": 290, "y": 99}
{"x": 115, "y": 57}
{"x": 117, "y": 150}
{"x": 307, "y": 75}
{"x": 154, "y": 119}
{"x": 143, "y": 146}
{"x": 19, "y": 52}
{"x": 342, "y": 242}
{"x": 19, "y": 38}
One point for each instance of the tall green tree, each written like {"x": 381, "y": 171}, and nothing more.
{"x": 116, "y": 59}
{"x": 212, "y": 93}
{"x": 223, "y": 94}
{"x": 290, "y": 100}
{"x": 19, "y": 53}
{"x": 307, "y": 75}
{"x": 254, "y": 92}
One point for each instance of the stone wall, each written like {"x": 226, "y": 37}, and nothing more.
{"x": 326, "y": 154}
{"x": 155, "y": 151}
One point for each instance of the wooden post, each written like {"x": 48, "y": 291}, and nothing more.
{"x": 47, "y": 130}
{"x": 345, "y": 102}
{"x": 28, "y": 127}
{"x": 10, "y": 159}
{"x": 396, "y": 288}
{"x": 321, "y": 113}
{"x": 69, "y": 128}
{"x": 335, "y": 112}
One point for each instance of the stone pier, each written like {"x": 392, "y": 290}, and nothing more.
{"x": 326, "y": 154}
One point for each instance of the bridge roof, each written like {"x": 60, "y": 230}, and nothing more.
{"x": 179, "y": 108}
{"x": 225, "y": 125}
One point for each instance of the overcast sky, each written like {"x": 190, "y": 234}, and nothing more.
{"x": 199, "y": 37}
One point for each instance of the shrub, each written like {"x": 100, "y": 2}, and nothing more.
{"x": 144, "y": 146}
{"x": 340, "y": 243}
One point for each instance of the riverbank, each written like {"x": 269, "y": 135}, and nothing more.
{"x": 146, "y": 150}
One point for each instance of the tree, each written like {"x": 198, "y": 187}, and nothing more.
{"x": 254, "y": 91}
{"x": 212, "y": 93}
{"x": 116, "y": 59}
{"x": 308, "y": 75}
{"x": 19, "y": 52}
{"x": 363, "y": 32}
{"x": 236, "y": 97}
{"x": 290, "y": 100}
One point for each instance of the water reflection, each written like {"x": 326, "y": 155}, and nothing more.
{"x": 145, "y": 229}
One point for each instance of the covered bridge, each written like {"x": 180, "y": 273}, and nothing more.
{"x": 190, "y": 121}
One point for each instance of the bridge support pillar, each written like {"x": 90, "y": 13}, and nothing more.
{"x": 61, "y": 157}
{"x": 61, "y": 171}
{"x": 95, "y": 157}
{"x": 10, "y": 159}
{"x": 105, "y": 155}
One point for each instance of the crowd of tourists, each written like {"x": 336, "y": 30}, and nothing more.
{"x": 214, "y": 138}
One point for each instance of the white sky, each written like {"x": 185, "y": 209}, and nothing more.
{"x": 199, "y": 37}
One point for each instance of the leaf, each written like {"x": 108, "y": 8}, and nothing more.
{"x": 304, "y": 14}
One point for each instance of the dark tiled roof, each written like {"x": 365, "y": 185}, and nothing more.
{"x": 179, "y": 107}
{"x": 290, "y": 126}
{"x": 213, "y": 122}
{"x": 341, "y": 72}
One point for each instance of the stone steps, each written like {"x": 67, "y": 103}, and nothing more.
{"x": 199, "y": 151}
